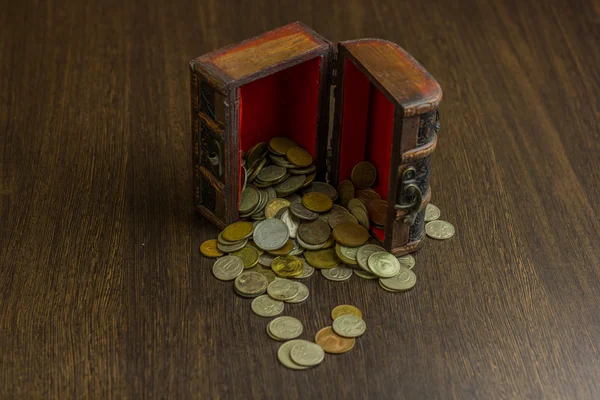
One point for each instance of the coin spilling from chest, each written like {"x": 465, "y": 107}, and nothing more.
{"x": 439, "y": 229}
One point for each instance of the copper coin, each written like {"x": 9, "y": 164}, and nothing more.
{"x": 363, "y": 175}
{"x": 314, "y": 232}
{"x": 332, "y": 343}
{"x": 368, "y": 195}
{"x": 351, "y": 235}
{"x": 377, "y": 211}
{"x": 346, "y": 192}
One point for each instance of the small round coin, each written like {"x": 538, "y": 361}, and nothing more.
{"x": 337, "y": 274}
{"x": 349, "y": 326}
{"x": 404, "y": 280}
{"x": 265, "y": 306}
{"x": 302, "y": 294}
{"x": 384, "y": 264}
{"x": 238, "y": 231}
{"x": 287, "y": 266}
{"x": 378, "y": 211}
{"x": 325, "y": 258}
{"x": 286, "y": 328}
{"x": 298, "y": 156}
{"x": 307, "y": 353}
{"x": 332, "y": 343}
{"x": 249, "y": 256}
{"x": 317, "y": 202}
{"x": 363, "y": 175}
{"x": 283, "y": 355}
{"x": 228, "y": 268}
{"x": 432, "y": 212}
{"x": 407, "y": 261}
{"x": 345, "y": 309}
{"x": 351, "y": 235}
{"x": 346, "y": 192}
{"x": 439, "y": 229}
{"x": 266, "y": 259}
{"x": 251, "y": 283}
{"x": 282, "y": 289}
{"x": 314, "y": 232}
{"x": 271, "y": 234}
{"x": 209, "y": 249}
{"x": 363, "y": 254}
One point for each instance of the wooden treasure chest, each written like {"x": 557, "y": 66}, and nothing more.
{"x": 344, "y": 103}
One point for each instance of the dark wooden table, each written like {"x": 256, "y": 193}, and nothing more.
{"x": 103, "y": 292}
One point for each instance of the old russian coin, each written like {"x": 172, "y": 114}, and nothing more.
{"x": 285, "y": 250}
{"x": 274, "y": 205}
{"x": 209, "y": 249}
{"x": 307, "y": 270}
{"x": 265, "y": 306}
{"x": 439, "y": 229}
{"x": 228, "y": 268}
{"x": 349, "y": 325}
{"x": 325, "y": 258}
{"x": 353, "y": 203}
{"x": 302, "y": 171}
{"x": 314, "y": 232}
{"x": 251, "y": 283}
{"x": 307, "y": 246}
{"x": 338, "y": 218}
{"x": 249, "y": 199}
{"x": 290, "y": 185}
{"x": 303, "y": 213}
{"x": 363, "y": 175}
{"x": 266, "y": 259}
{"x": 280, "y": 145}
{"x": 271, "y": 234}
{"x": 252, "y": 244}
{"x": 351, "y": 235}
{"x": 404, "y": 280}
{"x": 367, "y": 196}
{"x": 432, "y": 212}
{"x": 317, "y": 202}
{"x": 322, "y": 187}
{"x": 384, "y": 264}
{"x": 407, "y": 261}
{"x": 255, "y": 154}
{"x": 293, "y": 198}
{"x": 271, "y": 174}
{"x": 302, "y": 294}
{"x": 292, "y": 223}
{"x": 307, "y": 353}
{"x": 337, "y": 274}
{"x": 346, "y": 192}
{"x": 282, "y": 289}
{"x": 249, "y": 256}
{"x": 365, "y": 274}
{"x": 287, "y": 266}
{"x": 252, "y": 175}
{"x": 283, "y": 355}
{"x": 286, "y": 328}
{"x": 298, "y": 156}
{"x": 232, "y": 247}
{"x": 378, "y": 211}
{"x": 267, "y": 273}
{"x": 238, "y": 231}
{"x": 347, "y": 254}
{"x": 332, "y": 343}
{"x": 345, "y": 309}
{"x": 361, "y": 217}
{"x": 363, "y": 254}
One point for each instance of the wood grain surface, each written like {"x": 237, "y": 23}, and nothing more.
{"x": 104, "y": 294}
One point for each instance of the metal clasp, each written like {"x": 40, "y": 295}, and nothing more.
{"x": 409, "y": 196}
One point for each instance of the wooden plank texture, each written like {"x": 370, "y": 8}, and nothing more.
{"x": 103, "y": 292}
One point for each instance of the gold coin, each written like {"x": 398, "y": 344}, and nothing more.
{"x": 274, "y": 205}
{"x": 345, "y": 309}
{"x": 286, "y": 249}
{"x": 332, "y": 343}
{"x": 325, "y": 258}
{"x": 317, "y": 202}
{"x": 209, "y": 249}
{"x": 351, "y": 235}
{"x": 238, "y": 231}
{"x": 299, "y": 156}
{"x": 281, "y": 145}
{"x": 249, "y": 256}
{"x": 287, "y": 266}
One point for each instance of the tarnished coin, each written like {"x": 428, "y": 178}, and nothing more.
{"x": 302, "y": 294}
{"x": 314, "y": 232}
{"x": 324, "y": 188}
{"x": 317, "y": 202}
{"x": 303, "y": 213}
{"x": 282, "y": 289}
{"x": 274, "y": 205}
{"x": 353, "y": 203}
{"x": 271, "y": 173}
{"x": 351, "y": 235}
{"x": 227, "y": 242}
{"x": 290, "y": 185}
{"x": 296, "y": 250}
{"x": 325, "y": 258}
{"x": 365, "y": 274}
{"x": 404, "y": 280}
{"x": 285, "y": 250}
{"x": 267, "y": 273}
{"x": 432, "y": 212}
{"x": 337, "y": 274}
{"x": 251, "y": 283}
{"x": 338, "y": 218}
{"x": 378, "y": 211}
{"x": 439, "y": 229}
{"x": 265, "y": 306}
{"x": 232, "y": 247}
{"x": 332, "y": 343}
{"x": 228, "y": 268}
{"x": 384, "y": 264}
{"x": 292, "y": 223}
{"x": 349, "y": 326}
{"x": 407, "y": 261}
{"x": 286, "y": 328}
{"x": 307, "y": 270}
{"x": 238, "y": 231}
{"x": 287, "y": 266}
{"x": 348, "y": 253}
{"x": 255, "y": 154}
{"x": 252, "y": 174}
{"x": 209, "y": 249}
{"x": 298, "y": 156}
{"x": 346, "y": 192}
{"x": 249, "y": 199}
{"x": 309, "y": 179}
{"x": 307, "y": 246}
{"x": 345, "y": 309}
{"x": 363, "y": 254}
{"x": 266, "y": 259}
{"x": 280, "y": 145}
{"x": 293, "y": 198}
{"x": 249, "y": 256}
{"x": 283, "y": 355}
{"x": 271, "y": 234}
{"x": 363, "y": 175}
{"x": 280, "y": 212}
{"x": 361, "y": 217}
{"x": 307, "y": 353}
{"x": 367, "y": 195}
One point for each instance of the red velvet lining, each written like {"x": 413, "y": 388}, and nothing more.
{"x": 282, "y": 104}
{"x": 367, "y": 127}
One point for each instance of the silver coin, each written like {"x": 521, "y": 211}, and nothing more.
{"x": 307, "y": 353}
{"x": 283, "y": 355}
{"x": 404, "y": 280}
{"x": 265, "y": 306}
{"x": 298, "y": 210}
{"x": 292, "y": 223}
{"x": 407, "y": 261}
{"x": 271, "y": 234}
{"x": 337, "y": 274}
{"x": 231, "y": 248}
{"x": 228, "y": 268}
{"x": 307, "y": 270}
{"x": 432, "y": 212}
{"x": 383, "y": 264}
{"x": 301, "y": 296}
{"x": 271, "y": 173}
{"x": 251, "y": 283}
{"x": 387, "y": 289}
{"x": 363, "y": 254}
{"x": 310, "y": 246}
{"x": 365, "y": 274}
{"x": 271, "y": 193}
{"x": 349, "y": 252}
{"x": 439, "y": 229}
{"x": 349, "y": 325}
{"x": 265, "y": 259}
{"x": 286, "y": 328}
{"x": 282, "y": 289}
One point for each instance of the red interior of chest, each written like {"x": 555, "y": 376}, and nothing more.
{"x": 367, "y": 125}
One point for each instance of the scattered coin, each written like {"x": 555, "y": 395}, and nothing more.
{"x": 251, "y": 283}
{"x": 364, "y": 175}
{"x": 299, "y": 156}
{"x": 302, "y": 294}
{"x": 363, "y": 254}
{"x": 349, "y": 326}
{"x": 209, "y": 249}
{"x": 303, "y": 213}
{"x": 325, "y": 258}
{"x": 249, "y": 256}
{"x": 332, "y": 343}
{"x": 282, "y": 289}
{"x": 267, "y": 273}
{"x": 341, "y": 218}
{"x": 238, "y": 231}
{"x": 407, "y": 261}
{"x": 265, "y": 306}
{"x": 384, "y": 264}
{"x": 228, "y": 268}
{"x": 439, "y": 229}
{"x": 432, "y": 212}
{"x": 285, "y": 250}
{"x": 314, "y": 232}
{"x": 271, "y": 234}
{"x": 324, "y": 188}
{"x": 345, "y": 309}
{"x": 337, "y": 274}
{"x": 292, "y": 223}
{"x": 274, "y": 205}
{"x": 307, "y": 270}
{"x": 249, "y": 199}
{"x": 307, "y": 353}
{"x": 290, "y": 185}
{"x": 350, "y": 235}
{"x": 404, "y": 280}
{"x": 232, "y": 247}
{"x": 347, "y": 254}
{"x": 365, "y": 274}
{"x": 266, "y": 259}
{"x": 317, "y": 202}
{"x": 287, "y": 266}
{"x": 283, "y": 355}
{"x": 286, "y": 328}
